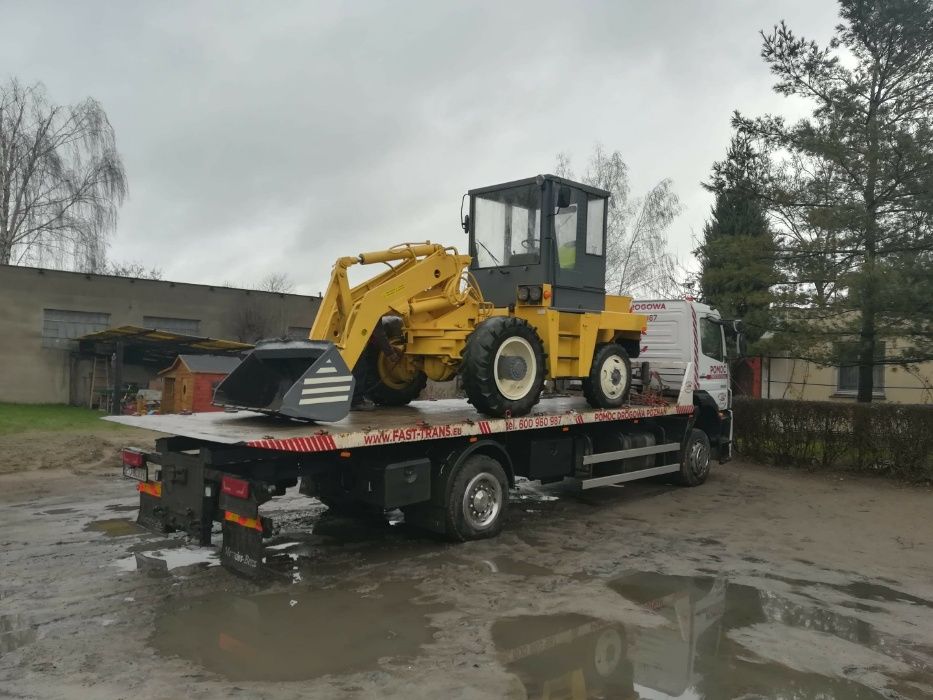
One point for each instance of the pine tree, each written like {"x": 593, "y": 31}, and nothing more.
{"x": 853, "y": 188}
{"x": 737, "y": 253}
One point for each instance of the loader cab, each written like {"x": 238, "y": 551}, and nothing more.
{"x": 542, "y": 230}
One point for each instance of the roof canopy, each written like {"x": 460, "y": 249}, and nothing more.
{"x": 155, "y": 347}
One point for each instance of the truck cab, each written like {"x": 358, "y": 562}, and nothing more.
{"x": 683, "y": 331}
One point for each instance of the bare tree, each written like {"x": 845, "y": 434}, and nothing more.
{"x": 61, "y": 180}
{"x": 260, "y": 316}
{"x": 251, "y": 321}
{"x": 638, "y": 261}
{"x": 276, "y": 282}
{"x": 132, "y": 268}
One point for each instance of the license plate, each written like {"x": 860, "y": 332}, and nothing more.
{"x": 138, "y": 473}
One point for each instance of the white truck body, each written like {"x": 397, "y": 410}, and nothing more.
{"x": 680, "y": 332}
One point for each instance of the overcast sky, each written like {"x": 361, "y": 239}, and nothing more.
{"x": 275, "y": 136}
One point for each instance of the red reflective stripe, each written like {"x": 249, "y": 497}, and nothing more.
{"x": 252, "y": 523}
{"x": 153, "y": 488}
{"x": 313, "y": 443}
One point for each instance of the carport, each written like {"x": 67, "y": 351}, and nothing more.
{"x": 109, "y": 351}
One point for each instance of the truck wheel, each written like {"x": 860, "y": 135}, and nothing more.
{"x": 391, "y": 382}
{"x": 503, "y": 367}
{"x": 477, "y": 499}
{"x": 694, "y": 467}
{"x": 610, "y": 379}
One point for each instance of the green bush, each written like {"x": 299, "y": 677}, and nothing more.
{"x": 890, "y": 439}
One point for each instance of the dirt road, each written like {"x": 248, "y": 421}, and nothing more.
{"x": 759, "y": 584}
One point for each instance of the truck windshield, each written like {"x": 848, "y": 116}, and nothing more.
{"x": 507, "y": 227}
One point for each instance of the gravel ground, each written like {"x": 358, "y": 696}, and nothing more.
{"x": 761, "y": 583}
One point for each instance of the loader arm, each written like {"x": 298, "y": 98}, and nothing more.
{"x": 426, "y": 278}
{"x": 313, "y": 379}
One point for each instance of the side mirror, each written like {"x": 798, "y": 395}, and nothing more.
{"x": 564, "y": 197}
{"x": 465, "y": 224}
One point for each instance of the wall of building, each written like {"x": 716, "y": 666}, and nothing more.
{"x": 37, "y": 361}
{"x": 788, "y": 378}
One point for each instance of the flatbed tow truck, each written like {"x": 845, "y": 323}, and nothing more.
{"x": 527, "y": 304}
{"x": 447, "y": 467}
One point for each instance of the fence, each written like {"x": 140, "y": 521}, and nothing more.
{"x": 890, "y": 439}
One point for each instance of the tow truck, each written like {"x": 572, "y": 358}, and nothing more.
{"x": 447, "y": 467}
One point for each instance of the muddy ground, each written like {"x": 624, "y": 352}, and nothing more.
{"x": 761, "y": 583}
{"x": 78, "y": 452}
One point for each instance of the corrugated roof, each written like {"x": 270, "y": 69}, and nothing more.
{"x": 212, "y": 364}
{"x": 137, "y": 335}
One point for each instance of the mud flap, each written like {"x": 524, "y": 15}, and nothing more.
{"x": 299, "y": 379}
{"x": 241, "y": 550}
{"x": 150, "y": 512}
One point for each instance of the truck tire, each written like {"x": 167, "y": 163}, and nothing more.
{"x": 610, "y": 379}
{"x": 503, "y": 367}
{"x": 694, "y": 466}
{"x": 477, "y": 499}
{"x": 391, "y": 383}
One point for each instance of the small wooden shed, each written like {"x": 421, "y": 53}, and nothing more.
{"x": 188, "y": 384}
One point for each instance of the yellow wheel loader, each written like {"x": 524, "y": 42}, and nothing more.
{"x": 527, "y": 304}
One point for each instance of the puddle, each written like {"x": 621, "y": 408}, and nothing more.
{"x": 715, "y": 640}
{"x": 863, "y": 590}
{"x": 15, "y": 631}
{"x": 516, "y": 567}
{"x": 123, "y": 508}
{"x": 57, "y": 511}
{"x": 877, "y": 592}
{"x": 156, "y": 561}
{"x": 297, "y": 635}
{"x": 115, "y": 527}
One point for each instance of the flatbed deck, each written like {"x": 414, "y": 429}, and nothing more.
{"x": 420, "y": 420}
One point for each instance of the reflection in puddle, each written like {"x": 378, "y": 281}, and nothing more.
{"x": 692, "y": 653}
{"x": 115, "y": 527}
{"x": 15, "y": 631}
{"x": 297, "y": 635}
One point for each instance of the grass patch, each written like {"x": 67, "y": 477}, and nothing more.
{"x": 23, "y": 417}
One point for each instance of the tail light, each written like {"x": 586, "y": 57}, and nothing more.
{"x": 238, "y": 488}
{"x": 134, "y": 458}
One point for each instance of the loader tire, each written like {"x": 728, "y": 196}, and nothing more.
{"x": 610, "y": 379}
{"x": 503, "y": 367}
{"x": 385, "y": 384}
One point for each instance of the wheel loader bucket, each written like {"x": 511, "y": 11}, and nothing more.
{"x": 299, "y": 379}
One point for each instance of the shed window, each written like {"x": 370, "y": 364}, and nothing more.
{"x": 60, "y": 327}
{"x": 185, "y": 326}
{"x": 847, "y": 375}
